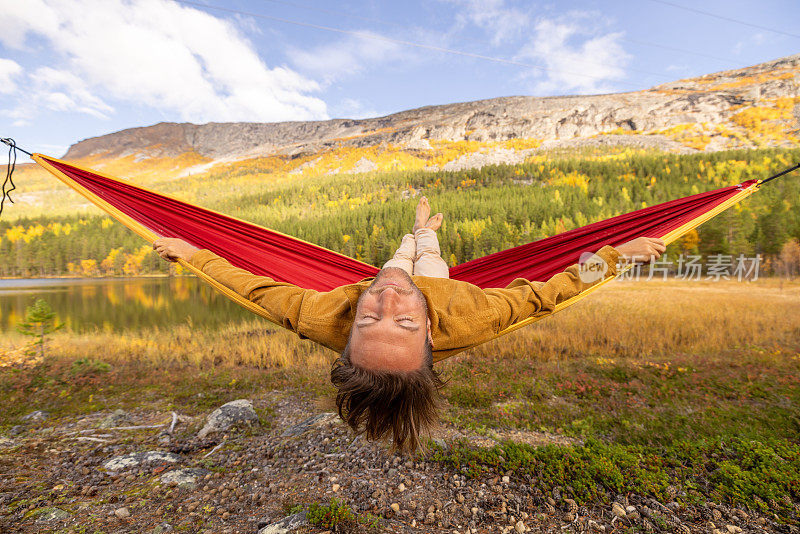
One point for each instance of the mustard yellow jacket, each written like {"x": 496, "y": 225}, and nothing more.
{"x": 461, "y": 314}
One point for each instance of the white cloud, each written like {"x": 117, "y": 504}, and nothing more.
{"x": 351, "y": 55}
{"x": 61, "y": 90}
{"x": 501, "y": 22}
{"x": 9, "y": 69}
{"x": 351, "y": 108}
{"x": 157, "y": 53}
{"x": 580, "y": 58}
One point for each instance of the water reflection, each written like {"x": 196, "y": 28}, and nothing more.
{"x": 119, "y": 304}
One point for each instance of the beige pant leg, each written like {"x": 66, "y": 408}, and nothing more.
{"x": 404, "y": 256}
{"x": 428, "y": 260}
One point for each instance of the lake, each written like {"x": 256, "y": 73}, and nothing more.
{"x": 119, "y": 304}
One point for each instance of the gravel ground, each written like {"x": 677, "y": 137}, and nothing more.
{"x": 72, "y": 475}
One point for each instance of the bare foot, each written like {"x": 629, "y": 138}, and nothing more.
{"x": 423, "y": 212}
{"x": 435, "y": 222}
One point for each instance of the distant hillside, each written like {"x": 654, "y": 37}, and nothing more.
{"x": 753, "y": 106}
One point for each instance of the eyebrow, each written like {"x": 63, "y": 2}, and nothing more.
{"x": 410, "y": 328}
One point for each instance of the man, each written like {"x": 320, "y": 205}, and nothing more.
{"x": 390, "y": 329}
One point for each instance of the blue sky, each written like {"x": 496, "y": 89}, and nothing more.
{"x": 72, "y": 69}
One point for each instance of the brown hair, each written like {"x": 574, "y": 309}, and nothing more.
{"x": 383, "y": 404}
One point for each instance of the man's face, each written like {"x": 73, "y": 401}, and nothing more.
{"x": 391, "y": 324}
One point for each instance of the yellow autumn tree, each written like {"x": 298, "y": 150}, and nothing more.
{"x": 113, "y": 263}
{"x": 133, "y": 262}
{"x": 789, "y": 261}
{"x": 89, "y": 268}
{"x": 689, "y": 242}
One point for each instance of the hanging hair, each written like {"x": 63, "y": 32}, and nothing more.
{"x": 401, "y": 406}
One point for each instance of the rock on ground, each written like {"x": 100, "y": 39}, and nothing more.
{"x": 316, "y": 421}
{"x": 38, "y": 415}
{"x": 228, "y": 415}
{"x": 363, "y": 165}
{"x": 46, "y": 515}
{"x": 185, "y": 478}
{"x": 136, "y": 459}
{"x": 286, "y": 525}
{"x": 118, "y": 418}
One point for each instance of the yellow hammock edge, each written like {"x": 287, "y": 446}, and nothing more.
{"x": 150, "y": 236}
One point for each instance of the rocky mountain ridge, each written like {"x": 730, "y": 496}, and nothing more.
{"x": 707, "y": 101}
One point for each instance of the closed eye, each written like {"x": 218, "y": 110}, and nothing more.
{"x": 405, "y": 322}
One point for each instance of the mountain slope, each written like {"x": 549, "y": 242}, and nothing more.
{"x": 722, "y": 110}
{"x": 753, "y": 107}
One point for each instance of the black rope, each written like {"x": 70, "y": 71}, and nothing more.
{"x": 787, "y": 171}
{"x": 12, "y": 164}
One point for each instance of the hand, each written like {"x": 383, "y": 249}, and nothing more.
{"x": 172, "y": 249}
{"x": 642, "y": 249}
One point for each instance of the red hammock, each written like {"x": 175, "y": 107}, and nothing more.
{"x": 288, "y": 259}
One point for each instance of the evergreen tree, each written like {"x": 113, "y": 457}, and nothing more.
{"x": 39, "y": 322}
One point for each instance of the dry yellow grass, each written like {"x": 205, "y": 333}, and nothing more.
{"x": 642, "y": 319}
{"x": 624, "y": 319}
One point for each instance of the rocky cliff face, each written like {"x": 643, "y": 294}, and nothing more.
{"x": 711, "y": 106}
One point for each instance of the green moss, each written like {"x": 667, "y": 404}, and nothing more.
{"x": 741, "y": 472}
{"x": 330, "y": 516}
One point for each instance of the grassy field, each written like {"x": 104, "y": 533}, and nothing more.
{"x": 691, "y": 389}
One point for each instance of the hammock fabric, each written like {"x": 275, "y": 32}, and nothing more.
{"x": 284, "y": 258}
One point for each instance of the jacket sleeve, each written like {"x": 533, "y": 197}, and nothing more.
{"x": 286, "y": 304}
{"x": 522, "y": 298}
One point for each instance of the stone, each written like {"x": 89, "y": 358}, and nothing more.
{"x": 364, "y": 165}
{"x": 228, "y": 415}
{"x": 122, "y": 513}
{"x": 38, "y": 415}
{"x": 316, "y": 421}
{"x": 594, "y": 525}
{"x": 335, "y": 487}
{"x": 136, "y": 459}
{"x": 572, "y": 506}
{"x": 118, "y": 418}
{"x": 285, "y": 525}
{"x": 184, "y": 478}
{"x": 519, "y": 526}
{"x": 47, "y": 515}
{"x": 16, "y": 430}
{"x": 733, "y": 529}
{"x": 618, "y": 510}
{"x": 163, "y": 527}
{"x": 395, "y": 507}
{"x": 401, "y": 488}
{"x": 506, "y": 479}
{"x": 6, "y": 442}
